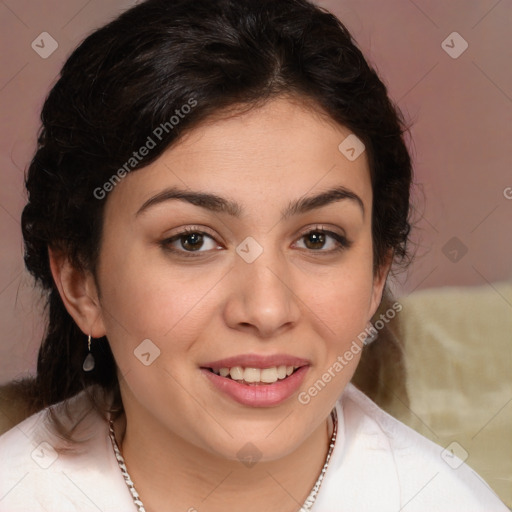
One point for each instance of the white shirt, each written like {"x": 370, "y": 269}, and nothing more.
{"x": 378, "y": 464}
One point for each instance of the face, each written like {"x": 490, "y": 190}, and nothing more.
{"x": 243, "y": 269}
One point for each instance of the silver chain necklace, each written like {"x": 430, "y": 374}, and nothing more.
{"x": 308, "y": 504}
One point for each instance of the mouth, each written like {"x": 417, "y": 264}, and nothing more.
{"x": 255, "y": 376}
{"x": 257, "y": 380}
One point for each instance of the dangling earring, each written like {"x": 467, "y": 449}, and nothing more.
{"x": 89, "y": 360}
{"x": 372, "y": 336}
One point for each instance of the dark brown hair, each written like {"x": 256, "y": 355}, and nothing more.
{"x": 136, "y": 73}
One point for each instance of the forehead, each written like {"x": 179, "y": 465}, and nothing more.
{"x": 268, "y": 154}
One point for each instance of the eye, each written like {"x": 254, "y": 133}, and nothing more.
{"x": 321, "y": 240}
{"x": 190, "y": 241}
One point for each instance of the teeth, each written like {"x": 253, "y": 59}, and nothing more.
{"x": 255, "y": 375}
{"x": 268, "y": 375}
{"x": 237, "y": 373}
{"x": 281, "y": 372}
{"x": 252, "y": 375}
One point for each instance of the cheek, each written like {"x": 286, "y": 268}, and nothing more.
{"x": 341, "y": 298}
{"x": 341, "y": 310}
{"x": 144, "y": 297}
{"x": 346, "y": 304}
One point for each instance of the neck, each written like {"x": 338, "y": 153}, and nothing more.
{"x": 168, "y": 471}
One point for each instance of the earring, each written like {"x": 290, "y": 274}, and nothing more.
{"x": 89, "y": 360}
{"x": 372, "y": 334}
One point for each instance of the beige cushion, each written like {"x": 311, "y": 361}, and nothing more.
{"x": 458, "y": 344}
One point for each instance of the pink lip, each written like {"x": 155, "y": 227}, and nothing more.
{"x": 256, "y": 361}
{"x": 258, "y": 395}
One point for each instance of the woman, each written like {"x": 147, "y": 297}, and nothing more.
{"x": 219, "y": 192}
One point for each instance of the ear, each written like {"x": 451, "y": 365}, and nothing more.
{"x": 79, "y": 294}
{"x": 379, "y": 282}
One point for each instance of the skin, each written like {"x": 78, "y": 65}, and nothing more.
{"x": 180, "y": 436}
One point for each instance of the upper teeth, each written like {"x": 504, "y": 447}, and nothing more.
{"x": 267, "y": 375}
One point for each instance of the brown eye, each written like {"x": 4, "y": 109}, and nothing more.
{"x": 192, "y": 241}
{"x": 321, "y": 241}
{"x": 314, "y": 240}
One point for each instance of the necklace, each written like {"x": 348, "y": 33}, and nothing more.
{"x": 308, "y": 504}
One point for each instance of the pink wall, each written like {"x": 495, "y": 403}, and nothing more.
{"x": 461, "y": 109}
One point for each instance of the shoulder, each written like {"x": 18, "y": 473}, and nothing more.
{"x": 400, "y": 465}
{"x": 42, "y": 471}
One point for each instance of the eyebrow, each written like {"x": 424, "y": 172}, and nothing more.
{"x": 219, "y": 204}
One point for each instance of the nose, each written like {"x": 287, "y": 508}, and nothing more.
{"x": 263, "y": 301}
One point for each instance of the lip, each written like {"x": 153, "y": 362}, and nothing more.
{"x": 258, "y": 395}
{"x": 257, "y": 361}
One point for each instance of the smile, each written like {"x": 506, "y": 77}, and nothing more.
{"x": 256, "y": 375}
{"x": 256, "y": 393}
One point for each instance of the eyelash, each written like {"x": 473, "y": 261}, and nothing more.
{"x": 343, "y": 242}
